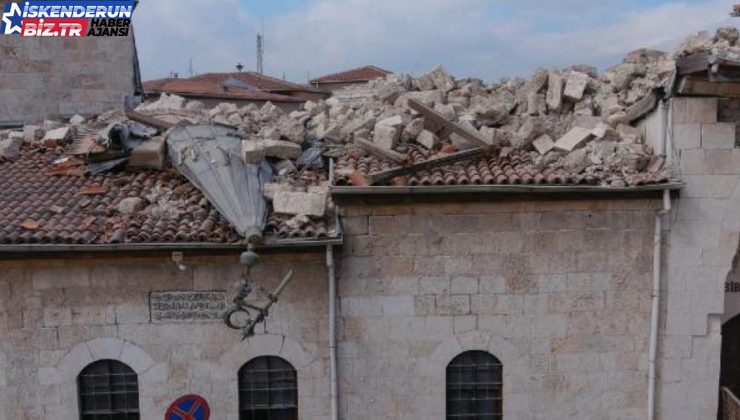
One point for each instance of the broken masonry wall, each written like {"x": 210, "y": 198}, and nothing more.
{"x": 58, "y": 77}
{"x": 209, "y": 103}
{"x": 701, "y": 243}
{"x": 558, "y": 290}
{"x": 58, "y": 315}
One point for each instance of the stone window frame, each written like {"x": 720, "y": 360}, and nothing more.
{"x": 248, "y": 369}
{"x": 125, "y": 377}
{"x": 515, "y": 393}
{"x": 64, "y": 374}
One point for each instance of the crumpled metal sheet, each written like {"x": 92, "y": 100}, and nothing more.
{"x": 209, "y": 157}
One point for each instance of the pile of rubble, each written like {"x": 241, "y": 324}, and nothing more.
{"x": 573, "y": 119}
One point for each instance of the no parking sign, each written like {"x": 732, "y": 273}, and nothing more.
{"x": 189, "y": 407}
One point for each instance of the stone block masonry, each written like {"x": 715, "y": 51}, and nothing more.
{"x": 559, "y": 291}
{"x": 49, "y": 77}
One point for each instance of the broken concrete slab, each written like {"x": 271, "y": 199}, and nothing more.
{"x": 149, "y": 154}
{"x": 357, "y": 124}
{"x": 576, "y": 161}
{"x": 294, "y": 203}
{"x": 395, "y": 121}
{"x": 543, "y": 144}
{"x": 446, "y": 110}
{"x": 428, "y": 139}
{"x": 554, "y": 95}
{"x": 629, "y": 134}
{"x": 412, "y": 130}
{"x": 32, "y": 133}
{"x": 386, "y": 136}
{"x": 573, "y": 139}
{"x": 271, "y": 188}
{"x": 131, "y": 205}
{"x": 60, "y": 135}
{"x": 575, "y": 86}
{"x": 10, "y": 148}
{"x": 252, "y": 152}
{"x": 77, "y": 119}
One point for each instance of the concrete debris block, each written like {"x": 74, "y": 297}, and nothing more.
{"x": 194, "y": 106}
{"x": 425, "y": 82}
{"x": 727, "y": 33}
{"x": 543, "y": 144}
{"x": 395, "y": 121}
{"x": 149, "y": 154}
{"x": 488, "y": 134}
{"x": 446, "y": 110}
{"x": 77, "y": 119}
{"x": 32, "y": 133}
{"x": 166, "y": 102}
{"x": 584, "y": 107}
{"x": 702, "y": 41}
{"x": 609, "y": 104}
{"x": 600, "y": 130}
{"x": 18, "y": 135}
{"x": 252, "y": 152}
{"x": 49, "y": 125}
{"x": 10, "y": 148}
{"x": 585, "y": 121}
{"x": 575, "y": 85}
{"x": 428, "y": 98}
{"x": 294, "y": 203}
{"x": 386, "y": 136}
{"x": 428, "y": 139}
{"x": 234, "y": 119}
{"x": 357, "y": 124}
{"x": 617, "y": 118}
{"x": 538, "y": 81}
{"x": 280, "y": 149}
{"x": 291, "y": 130}
{"x": 271, "y": 188}
{"x": 60, "y": 135}
{"x": 131, "y": 205}
{"x": 573, "y": 139}
{"x": 528, "y": 132}
{"x": 576, "y": 161}
{"x": 554, "y": 96}
{"x": 494, "y": 109}
{"x": 284, "y": 167}
{"x": 270, "y": 111}
{"x": 412, "y": 130}
{"x": 629, "y": 134}
{"x": 620, "y": 76}
{"x": 442, "y": 80}
{"x": 297, "y": 221}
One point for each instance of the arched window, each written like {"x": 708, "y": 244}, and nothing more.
{"x": 474, "y": 387}
{"x": 268, "y": 390}
{"x": 108, "y": 389}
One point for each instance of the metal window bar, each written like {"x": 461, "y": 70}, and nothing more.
{"x": 474, "y": 387}
{"x": 108, "y": 390}
{"x": 268, "y": 390}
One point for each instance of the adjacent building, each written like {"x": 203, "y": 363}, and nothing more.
{"x": 358, "y": 76}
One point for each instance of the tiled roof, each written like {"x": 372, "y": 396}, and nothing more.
{"x": 257, "y": 80}
{"x": 360, "y": 74}
{"x": 42, "y": 203}
{"x": 509, "y": 167}
{"x": 214, "y": 89}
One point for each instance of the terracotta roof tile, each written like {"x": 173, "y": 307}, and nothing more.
{"x": 360, "y": 74}
{"x": 215, "y": 89}
{"x": 257, "y": 80}
{"x": 37, "y": 207}
{"x": 516, "y": 167}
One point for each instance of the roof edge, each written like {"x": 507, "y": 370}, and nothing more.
{"x": 271, "y": 245}
{"x": 499, "y": 189}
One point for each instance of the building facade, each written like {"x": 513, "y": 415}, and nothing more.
{"x": 548, "y": 296}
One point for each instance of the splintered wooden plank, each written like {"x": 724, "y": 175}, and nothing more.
{"x": 146, "y": 119}
{"x": 379, "y": 152}
{"x": 434, "y": 118}
{"x": 640, "y": 108}
{"x": 693, "y": 63}
{"x": 426, "y": 165}
{"x": 691, "y": 86}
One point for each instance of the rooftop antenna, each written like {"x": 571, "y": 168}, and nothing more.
{"x": 190, "y": 67}
{"x": 239, "y": 67}
{"x": 261, "y": 49}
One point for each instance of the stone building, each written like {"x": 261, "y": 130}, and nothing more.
{"x": 341, "y": 80}
{"x": 544, "y": 297}
{"x": 44, "y": 78}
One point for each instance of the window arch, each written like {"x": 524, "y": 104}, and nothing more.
{"x": 108, "y": 389}
{"x": 268, "y": 390}
{"x": 474, "y": 387}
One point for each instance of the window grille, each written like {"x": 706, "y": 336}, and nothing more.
{"x": 108, "y": 390}
{"x": 268, "y": 390}
{"x": 474, "y": 387}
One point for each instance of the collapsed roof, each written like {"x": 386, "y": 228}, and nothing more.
{"x": 106, "y": 179}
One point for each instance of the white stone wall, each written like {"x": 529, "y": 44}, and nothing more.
{"x": 58, "y": 316}
{"x": 559, "y": 291}
{"x": 50, "y": 77}
{"x": 701, "y": 245}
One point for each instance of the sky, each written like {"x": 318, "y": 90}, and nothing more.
{"x": 487, "y": 39}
